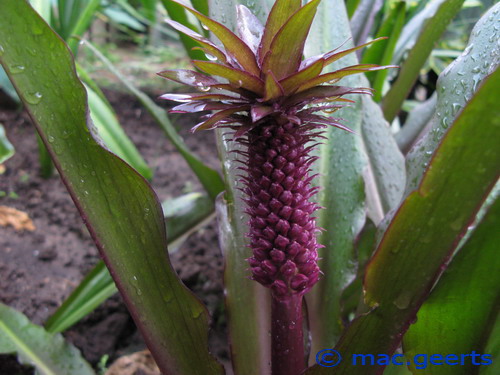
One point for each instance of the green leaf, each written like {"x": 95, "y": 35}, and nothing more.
{"x": 82, "y": 23}
{"x": 431, "y": 32}
{"x": 209, "y": 178}
{"x": 287, "y": 46}
{"x": 425, "y": 231}
{"x": 183, "y": 215}
{"x": 121, "y": 211}
{"x": 6, "y": 148}
{"x": 460, "y": 313}
{"x": 48, "y": 353}
{"x": 456, "y": 85}
{"x": 74, "y": 18}
{"x": 95, "y": 288}
{"x": 112, "y": 134}
{"x": 381, "y": 53}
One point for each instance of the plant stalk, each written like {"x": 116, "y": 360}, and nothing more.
{"x": 287, "y": 338}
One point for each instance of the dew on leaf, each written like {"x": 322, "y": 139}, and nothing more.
{"x": 33, "y": 97}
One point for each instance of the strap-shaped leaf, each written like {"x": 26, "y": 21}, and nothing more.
{"x": 281, "y": 11}
{"x": 459, "y": 315}
{"x": 237, "y": 77}
{"x": 287, "y": 47}
{"x": 121, "y": 211}
{"x": 234, "y": 45}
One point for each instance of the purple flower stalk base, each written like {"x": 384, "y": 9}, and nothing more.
{"x": 270, "y": 97}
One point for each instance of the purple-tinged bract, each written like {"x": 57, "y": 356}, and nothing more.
{"x": 271, "y": 97}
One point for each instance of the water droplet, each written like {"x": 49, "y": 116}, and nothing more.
{"x": 455, "y": 108}
{"x": 16, "y": 68}
{"x": 203, "y": 88}
{"x": 33, "y": 97}
{"x": 444, "y": 122}
{"x": 51, "y": 139}
{"x": 476, "y": 69}
{"x": 210, "y": 57}
{"x": 403, "y": 301}
{"x": 2, "y": 51}
{"x": 205, "y": 27}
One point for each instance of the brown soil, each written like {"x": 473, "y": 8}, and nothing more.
{"x": 39, "y": 269}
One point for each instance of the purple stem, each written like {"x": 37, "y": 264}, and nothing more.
{"x": 287, "y": 338}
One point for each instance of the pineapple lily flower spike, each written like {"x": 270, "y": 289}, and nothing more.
{"x": 270, "y": 98}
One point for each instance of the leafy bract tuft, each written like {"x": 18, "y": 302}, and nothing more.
{"x": 263, "y": 72}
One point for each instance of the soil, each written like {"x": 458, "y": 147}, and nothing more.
{"x": 40, "y": 268}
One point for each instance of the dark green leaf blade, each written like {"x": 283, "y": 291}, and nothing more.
{"x": 126, "y": 222}
{"x": 48, "y": 353}
{"x": 431, "y": 32}
{"x": 425, "y": 231}
{"x": 459, "y": 314}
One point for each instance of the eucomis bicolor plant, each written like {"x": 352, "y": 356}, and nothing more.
{"x": 275, "y": 102}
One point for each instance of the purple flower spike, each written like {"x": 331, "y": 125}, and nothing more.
{"x": 289, "y": 224}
